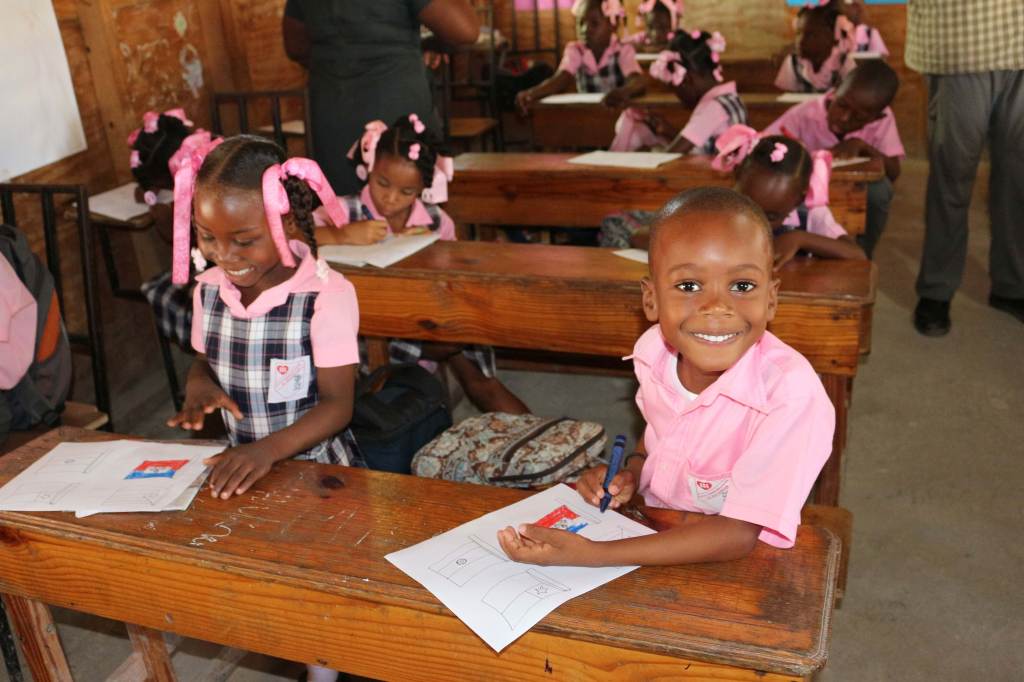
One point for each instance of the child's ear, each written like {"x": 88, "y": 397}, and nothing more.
{"x": 650, "y": 299}
{"x": 773, "y": 297}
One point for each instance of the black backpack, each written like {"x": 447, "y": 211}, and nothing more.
{"x": 38, "y": 399}
{"x": 398, "y": 409}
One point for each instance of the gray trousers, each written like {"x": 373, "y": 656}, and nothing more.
{"x": 880, "y": 195}
{"x": 966, "y": 111}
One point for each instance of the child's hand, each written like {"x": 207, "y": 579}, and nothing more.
{"x": 545, "y": 546}
{"x": 616, "y": 99}
{"x": 432, "y": 59}
{"x": 524, "y": 100}
{"x": 853, "y": 147}
{"x": 659, "y": 126}
{"x": 414, "y": 230}
{"x": 787, "y": 245}
{"x": 202, "y": 397}
{"x": 622, "y": 486}
{"x": 236, "y": 469}
{"x": 366, "y": 232}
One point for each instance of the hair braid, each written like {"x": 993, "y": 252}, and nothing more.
{"x": 300, "y": 197}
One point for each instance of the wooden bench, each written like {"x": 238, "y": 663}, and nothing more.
{"x": 587, "y": 300}
{"x": 592, "y": 126}
{"x": 295, "y": 568}
{"x": 545, "y": 190}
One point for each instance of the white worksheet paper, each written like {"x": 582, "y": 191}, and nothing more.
{"x": 852, "y": 161}
{"x": 639, "y": 255}
{"x": 381, "y": 254}
{"x": 500, "y": 599}
{"x": 646, "y": 57}
{"x": 646, "y": 160}
{"x": 797, "y": 97}
{"x": 574, "y": 98}
{"x": 120, "y": 204}
{"x": 112, "y": 476}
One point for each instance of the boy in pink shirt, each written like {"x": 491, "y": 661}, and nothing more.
{"x": 738, "y": 423}
{"x": 854, "y": 121}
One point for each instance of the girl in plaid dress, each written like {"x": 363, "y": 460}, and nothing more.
{"x": 406, "y": 177}
{"x": 274, "y": 328}
{"x": 597, "y": 62}
{"x": 825, "y": 39}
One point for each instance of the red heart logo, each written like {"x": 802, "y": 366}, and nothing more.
{"x": 282, "y": 369}
{"x": 703, "y": 485}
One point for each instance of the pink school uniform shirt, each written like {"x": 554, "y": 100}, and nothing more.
{"x": 418, "y": 216}
{"x": 335, "y": 323}
{"x": 808, "y": 122}
{"x": 18, "y": 312}
{"x": 797, "y": 74}
{"x": 749, "y": 446}
{"x": 577, "y": 55}
{"x": 819, "y": 221}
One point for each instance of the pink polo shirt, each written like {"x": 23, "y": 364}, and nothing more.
{"x": 749, "y": 446}
{"x": 18, "y": 312}
{"x": 819, "y": 221}
{"x": 335, "y": 322}
{"x": 418, "y": 217}
{"x": 577, "y": 54}
{"x": 808, "y": 122}
{"x": 709, "y": 117}
{"x": 832, "y": 71}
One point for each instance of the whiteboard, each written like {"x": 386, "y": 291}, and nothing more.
{"x": 39, "y": 119}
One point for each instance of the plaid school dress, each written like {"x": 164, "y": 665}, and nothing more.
{"x": 172, "y": 308}
{"x": 239, "y": 352}
{"x": 607, "y": 78}
{"x": 735, "y": 109}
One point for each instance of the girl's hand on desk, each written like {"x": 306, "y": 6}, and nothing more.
{"x": 365, "y": 232}
{"x": 590, "y": 486}
{"x": 532, "y": 544}
{"x": 236, "y": 469}
{"x": 202, "y": 397}
{"x": 616, "y": 99}
{"x": 659, "y": 126}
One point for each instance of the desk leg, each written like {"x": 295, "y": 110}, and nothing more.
{"x": 376, "y": 352}
{"x": 40, "y": 643}
{"x": 838, "y": 388}
{"x": 150, "y": 646}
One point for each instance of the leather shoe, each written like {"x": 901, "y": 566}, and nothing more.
{"x": 931, "y": 317}
{"x": 1014, "y": 306}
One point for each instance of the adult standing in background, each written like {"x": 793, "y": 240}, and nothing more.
{"x": 366, "y": 63}
{"x": 972, "y": 54}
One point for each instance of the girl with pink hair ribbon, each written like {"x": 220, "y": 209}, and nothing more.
{"x": 406, "y": 177}
{"x": 659, "y": 20}
{"x": 596, "y": 62}
{"x": 791, "y": 186}
{"x": 821, "y": 56}
{"x": 691, "y": 67}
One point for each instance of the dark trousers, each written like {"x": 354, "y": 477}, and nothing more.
{"x": 966, "y": 112}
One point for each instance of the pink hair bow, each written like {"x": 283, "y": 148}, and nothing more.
{"x": 821, "y": 174}
{"x": 668, "y": 68}
{"x": 613, "y": 10}
{"x": 276, "y": 204}
{"x": 189, "y": 146}
{"x": 184, "y": 186}
{"x": 367, "y": 146}
{"x": 444, "y": 171}
{"x": 674, "y": 9}
{"x": 733, "y": 146}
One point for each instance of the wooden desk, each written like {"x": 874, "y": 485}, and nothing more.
{"x": 295, "y": 569}
{"x": 545, "y": 190}
{"x": 587, "y": 300}
{"x": 590, "y": 126}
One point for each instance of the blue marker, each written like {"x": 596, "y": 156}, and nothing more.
{"x": 613, "y": 469}
{"x": 367, "y": 214}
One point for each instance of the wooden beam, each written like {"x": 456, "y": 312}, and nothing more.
{"x": 37, "y": 634}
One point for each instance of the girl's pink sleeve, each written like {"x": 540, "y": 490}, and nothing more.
{"x": 627, "y": 61}
{"x": 821, "y": 221}
{"x": 18, "y": 316}
{"x": 572, "y": 57}
{"x": 320, "y": 218}
{"x": 876, "y": 43}
{"x": 447, "y": 228}
{"x": 197, "y": 319}
{"x": 335, "y": 325}
{"x": 785, "y": 79}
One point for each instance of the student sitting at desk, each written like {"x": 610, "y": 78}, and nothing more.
{"x": 821, "y": 54}
{"x": 691, "y": 65}
{"x": 406, "y": 177}
{"x": 659, "y": 19}
{"x": 738, "y": 423}
{"x": 854, "y": 121}
{"x": 866, "y": 38}
{"x": 616, "y": 72}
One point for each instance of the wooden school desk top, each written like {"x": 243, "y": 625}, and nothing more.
{"x": 545, "y": 190}
{"x": 587, "y": 300}
{"x": 295, "y": 568}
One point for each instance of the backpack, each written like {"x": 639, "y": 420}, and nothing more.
{"x": 39, "y": 397}
{"x": 514, "y": 451}
{"x": 397, "y": 410}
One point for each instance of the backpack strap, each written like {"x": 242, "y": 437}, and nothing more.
{"x": 530, "y": 435}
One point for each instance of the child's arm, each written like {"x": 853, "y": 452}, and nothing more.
{"x": 236, "y": 469}
{"x": 203, "y": 395}
{"x": 560, "y": 82}
{"x": 361, "y": 232}
{"x": 789, "y": 243}
{"x": 854, "y": 146}
{"x": 619, "y": 97}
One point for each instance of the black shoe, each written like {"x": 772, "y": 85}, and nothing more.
{"x": 931, "y": 317}
{"x": 1014, "y": 306}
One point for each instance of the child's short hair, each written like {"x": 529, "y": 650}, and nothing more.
{"x": 876, "y": 77}
{"x": 240, "y": 163}
{"x": 155, "y": 150}
{"x": 401, "y": 140}
{"x": 795, "y": 162}
{"x": 708, "y": 199}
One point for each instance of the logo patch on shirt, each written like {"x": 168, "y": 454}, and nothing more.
{"x": 709, "y": 493}
{"x": 289, "y": 379}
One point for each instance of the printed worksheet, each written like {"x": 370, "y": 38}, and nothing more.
{"x": 646, "y": 160}
{"x": 500, "y": 599}
{"x": 112, "y": 476}
{"x": 382, "y": 254}
{"x": 574, "y": 98}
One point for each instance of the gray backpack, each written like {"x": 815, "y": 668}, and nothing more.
{"x": 38, "y": 399}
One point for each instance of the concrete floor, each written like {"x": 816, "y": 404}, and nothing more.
{"x": 932, "y": 477}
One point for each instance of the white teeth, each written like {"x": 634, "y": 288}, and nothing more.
{"x": 711, "y": 338}
{"x": 239, "y": 273}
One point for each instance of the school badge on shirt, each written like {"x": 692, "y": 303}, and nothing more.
{"x": 709, "y": 494}
{"x": 289, "y": 379}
